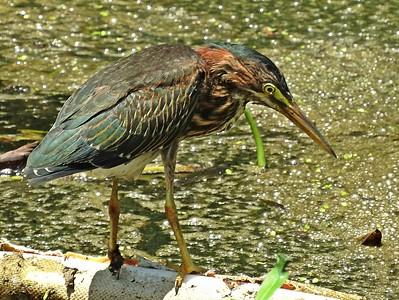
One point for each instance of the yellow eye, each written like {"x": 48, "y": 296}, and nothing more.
{"x": 269, "y": 88}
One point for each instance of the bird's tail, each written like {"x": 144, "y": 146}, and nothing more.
{"x": 54, "y": 158}
{"x": 41, "y": 175}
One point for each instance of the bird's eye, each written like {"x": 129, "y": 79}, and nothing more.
{"x": 269, "y": 88}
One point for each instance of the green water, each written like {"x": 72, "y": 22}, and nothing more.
{"x": 341, "y": 61}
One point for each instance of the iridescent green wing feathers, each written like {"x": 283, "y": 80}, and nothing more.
{"x": 134, "y": 106}
{"x": 157, "y": 66}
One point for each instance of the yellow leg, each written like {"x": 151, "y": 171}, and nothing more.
{"x": 187, "y": 267}
{"x": 113, "y": 250}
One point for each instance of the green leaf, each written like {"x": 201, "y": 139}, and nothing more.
{"x": 274, "y": 279}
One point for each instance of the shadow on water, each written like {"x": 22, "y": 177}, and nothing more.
{"x": 340, "y": 60}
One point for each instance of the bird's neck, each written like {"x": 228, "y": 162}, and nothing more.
{"x": 222, "y": 105}
{"x": 214, "y": 58}
{"x": 223, "y": 66}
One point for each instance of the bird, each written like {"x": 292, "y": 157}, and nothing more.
{"x": 142, "y": 106}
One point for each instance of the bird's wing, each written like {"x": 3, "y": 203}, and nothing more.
{"x": 154, "y": 66}
{"x": 137, "y": 105}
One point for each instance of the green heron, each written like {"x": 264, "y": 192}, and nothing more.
{"x": 143, "y": 105}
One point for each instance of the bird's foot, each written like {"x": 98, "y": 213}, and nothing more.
{"x": 116, "y": 259}
{"x": 185, "y": 269}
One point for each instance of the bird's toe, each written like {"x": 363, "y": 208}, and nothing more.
{"x": 116, "y": 259}
{"x": 184, "y": 270}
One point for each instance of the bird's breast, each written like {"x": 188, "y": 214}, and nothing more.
{"x": 215, "y": 114}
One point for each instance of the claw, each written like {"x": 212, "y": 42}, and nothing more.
{"x": 183, "y": 271}
{"x": 116, "y": 261}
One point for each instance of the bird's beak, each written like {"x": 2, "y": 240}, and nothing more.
{"x": 294, "y": 113}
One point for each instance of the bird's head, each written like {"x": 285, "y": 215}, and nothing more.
{"x": 259, "y": 80}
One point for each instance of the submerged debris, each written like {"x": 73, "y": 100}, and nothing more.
{"x": 16, "y": 159}
{"x": 371, "y": 239}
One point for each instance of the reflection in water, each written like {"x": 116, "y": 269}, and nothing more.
{"x": 341, "y": 64}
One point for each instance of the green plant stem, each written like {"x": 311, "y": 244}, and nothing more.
{"x": 260, "y": 150}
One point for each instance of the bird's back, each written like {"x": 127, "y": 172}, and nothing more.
{"x": 136, "y": 105}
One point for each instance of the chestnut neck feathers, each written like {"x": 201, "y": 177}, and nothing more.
{"x": 223, "y": 105}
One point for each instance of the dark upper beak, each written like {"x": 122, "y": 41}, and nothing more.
{"x": 294, "y": 113}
